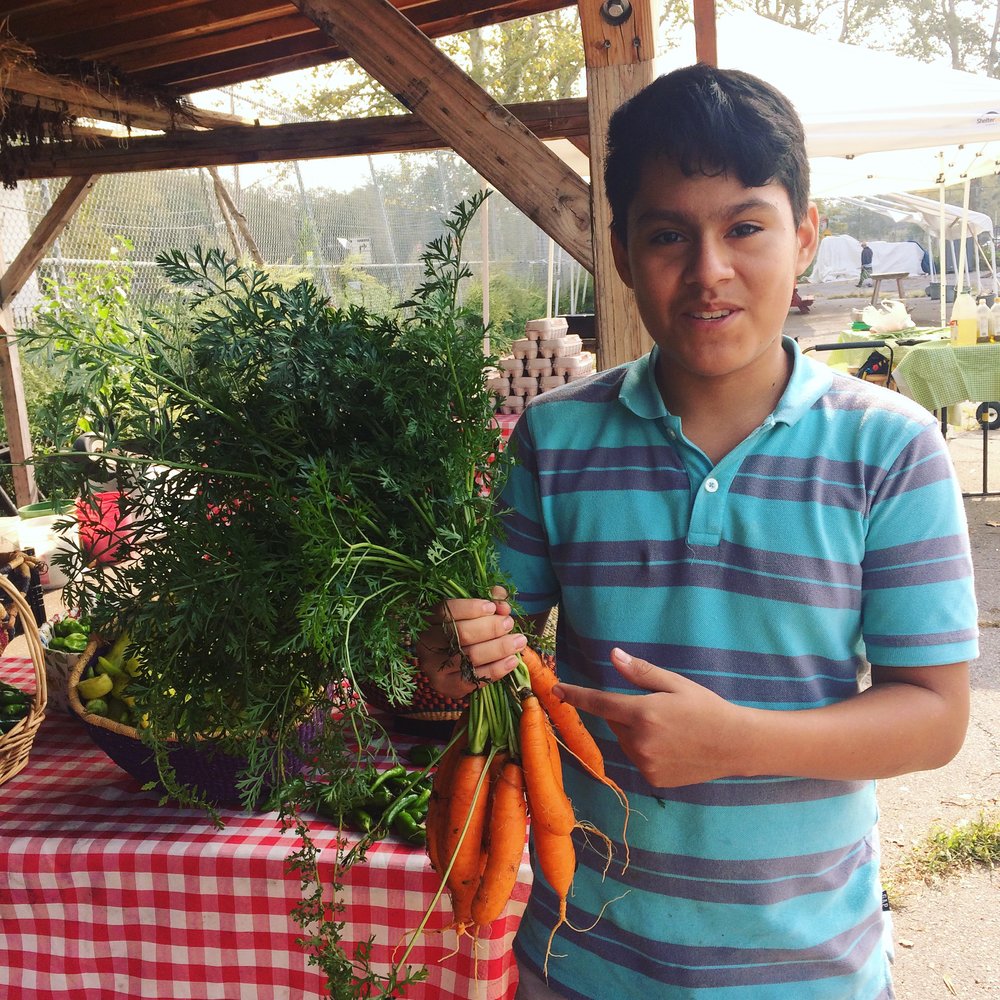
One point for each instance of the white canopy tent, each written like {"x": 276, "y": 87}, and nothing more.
{"x": 944, "y": 220}
{"x": 875, "y": 123}
{"x": 839, "y": 258}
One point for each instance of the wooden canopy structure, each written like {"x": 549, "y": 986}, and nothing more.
{"x": 134, "y": 63}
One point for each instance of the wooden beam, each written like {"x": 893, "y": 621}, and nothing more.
{"x": 15, "y": 413}
{"x": 435, "y": 18}
{"x": 705, "y": 44}
{"x": 91, "y": 102}
{"x": 619, "y": 59}
{"x": 46, "y": 233}
{"x": 272, "y": 143}
{"x": 234, "y": 217}
{"x": 15, "y": 410}
{"x": 482, "y": 132}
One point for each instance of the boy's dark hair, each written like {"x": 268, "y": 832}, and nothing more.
{"x": 707, "y": 121}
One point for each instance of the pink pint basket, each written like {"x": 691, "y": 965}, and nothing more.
{"x": 104, "y": 527}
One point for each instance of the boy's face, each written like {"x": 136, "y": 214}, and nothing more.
{"x": 713, "y": 265}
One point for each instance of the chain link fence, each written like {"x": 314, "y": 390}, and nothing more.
{"x": 355, "y": 226}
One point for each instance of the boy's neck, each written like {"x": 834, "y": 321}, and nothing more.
{"x": 717, "y": 414}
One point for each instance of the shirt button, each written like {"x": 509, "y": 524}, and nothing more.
{"x": 711, "y": 485}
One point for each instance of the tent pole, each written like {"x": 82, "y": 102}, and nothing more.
{"x": 484, "y": 217}
{"x": 944, "y": 262}
{"x": 548, "y": 283}
{"x": 963, "y": 252}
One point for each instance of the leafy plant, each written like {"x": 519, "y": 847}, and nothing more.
{"x": 87, "y": 305}
{"x": 307, "y": 483}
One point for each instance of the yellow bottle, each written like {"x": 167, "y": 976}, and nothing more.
{"x": 964, "y": 322}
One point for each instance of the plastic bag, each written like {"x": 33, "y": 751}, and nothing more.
{"x": 890, "y": 316}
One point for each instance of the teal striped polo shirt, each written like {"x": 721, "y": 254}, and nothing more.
{"x": 834, "y": 533}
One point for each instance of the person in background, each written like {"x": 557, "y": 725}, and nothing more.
{"x": 730, "y": 533}
{"x": 866, "y": 265}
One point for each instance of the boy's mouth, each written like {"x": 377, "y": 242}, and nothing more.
{"x": 712, "y": 314}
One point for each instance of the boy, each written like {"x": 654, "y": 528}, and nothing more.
{"x": 728, "y": 530}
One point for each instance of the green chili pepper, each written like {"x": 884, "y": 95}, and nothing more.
{"x": 398, "y": 771}
{"x": 424, "y": 754}
{"x": 75, "y": 643}
{"x": 401, "y": 804}
{"x": 363, "y": 820}
{"x": 11, "y": 696}
{"x": 409, "y": 829}
{"x": 67, "y": 627}
{"x": 419, "y": 807}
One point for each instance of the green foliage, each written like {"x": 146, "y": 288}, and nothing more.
{"x": 89, "y": 307}
{"x": 511, "y": 306}
{"x": 353, "y": 286}
{"x": 307, "y": 483}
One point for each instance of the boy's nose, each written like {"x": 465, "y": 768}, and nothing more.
{"x": 709, "y": 263}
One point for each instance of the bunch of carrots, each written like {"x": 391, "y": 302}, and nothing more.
{"x": 502, "y": 766}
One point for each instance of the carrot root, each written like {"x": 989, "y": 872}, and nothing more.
{"x": 574, "y": 735}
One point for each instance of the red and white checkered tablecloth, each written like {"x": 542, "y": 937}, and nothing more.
{"x": 506, "y": 421}
{"x": 106, "y": 894}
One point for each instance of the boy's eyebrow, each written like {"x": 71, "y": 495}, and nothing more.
{"x": 724, "y": 211}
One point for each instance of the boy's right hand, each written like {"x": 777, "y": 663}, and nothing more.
{"x": 480, "y": 633}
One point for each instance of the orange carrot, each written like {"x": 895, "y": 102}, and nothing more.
{"x": 548, "y": 802}
{"x": 557, "y": 861}
{"x": 508, "y": 825}
{"x": 464, "y": 833}
{"x": 575, "y": 735}
{"x": 554, "y": 757}
{"x": 439, "y": 803}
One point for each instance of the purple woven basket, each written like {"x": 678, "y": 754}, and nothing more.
{"x": 214, "y": 773}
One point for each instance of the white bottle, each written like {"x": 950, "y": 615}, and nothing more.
{"x": 983, "y": 318}
{"x": 963, "y": 320}
{"x": 995, "y": 320}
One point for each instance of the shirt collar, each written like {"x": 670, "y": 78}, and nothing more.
{"x": 809, "y": 380}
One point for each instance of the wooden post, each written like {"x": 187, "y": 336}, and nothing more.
{"x": 11, "y": 382}
{"x": 15, "y": 413}
{"x": 619, "y": 58}
{"x": 233, "y": 216}
{"x": 705, "y": 44}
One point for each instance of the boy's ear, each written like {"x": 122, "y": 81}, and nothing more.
{"x": 620, "y": 253}
{"x": 808, "y": 236}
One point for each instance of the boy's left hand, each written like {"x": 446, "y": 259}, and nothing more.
{"x": 680, "y": 733}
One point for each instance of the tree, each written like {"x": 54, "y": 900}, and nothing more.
{"x": 535, "y": 58}
{"x": 964, "y": 32}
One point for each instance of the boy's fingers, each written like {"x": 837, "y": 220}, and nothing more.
{"x": 606, "y": 704}
{"x": 463, "y": 610}
{"x": 612, "y": 706}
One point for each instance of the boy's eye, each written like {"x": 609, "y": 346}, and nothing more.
{"x": 666, "y": 237}
{"x": 746, "y": 229}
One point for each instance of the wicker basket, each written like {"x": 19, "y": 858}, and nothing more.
{"x": 204, "y": 767}
{"x": 15, "y": 746}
